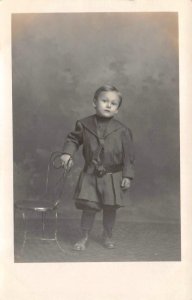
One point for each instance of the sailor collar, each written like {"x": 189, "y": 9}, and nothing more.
{"x": 90, "y": 123}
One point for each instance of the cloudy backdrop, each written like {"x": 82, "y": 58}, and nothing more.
{"x": 59, "y": 60}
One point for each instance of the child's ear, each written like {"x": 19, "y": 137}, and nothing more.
{"x": 94, "y": 102}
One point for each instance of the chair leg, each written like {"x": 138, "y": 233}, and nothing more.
{"x": 25, "y": 232}
{"x": 43, "y": 231}
{"x": 43, "y": 224}
{"x": 56, "y": 230}
{"x": 56, "y": 224}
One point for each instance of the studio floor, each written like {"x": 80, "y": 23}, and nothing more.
{"x": 135, "y": 241}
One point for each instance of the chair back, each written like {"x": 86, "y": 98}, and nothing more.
{"x": 55, "y": 176}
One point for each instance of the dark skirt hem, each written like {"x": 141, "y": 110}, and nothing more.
{"x": 91, "y": 205}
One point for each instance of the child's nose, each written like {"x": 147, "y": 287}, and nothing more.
{"x": 108, "y": 104}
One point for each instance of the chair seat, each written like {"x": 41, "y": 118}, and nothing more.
{"x": 37, "y": 204}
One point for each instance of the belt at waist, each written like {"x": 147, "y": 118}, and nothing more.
{"x": 113, "y": 169}
{"x": 105, "y": 169}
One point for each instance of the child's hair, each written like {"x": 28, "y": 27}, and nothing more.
{"x": 108, "y": 88}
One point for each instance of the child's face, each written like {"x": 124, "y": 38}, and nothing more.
{"x": 107, "y": 104}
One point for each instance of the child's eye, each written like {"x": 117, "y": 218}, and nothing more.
{"x": 104, "y": 100}
{"x": 114, "y": 103}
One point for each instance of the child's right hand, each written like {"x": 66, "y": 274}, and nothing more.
{"x": 67, "y": 161}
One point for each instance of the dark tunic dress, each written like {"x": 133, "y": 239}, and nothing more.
{"x": 117, "y": 151}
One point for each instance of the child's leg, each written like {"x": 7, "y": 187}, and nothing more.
{"x": 109, "y": 217}
{"x": 87, "y": 220}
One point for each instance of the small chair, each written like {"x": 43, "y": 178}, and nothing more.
{"x": 48, "y": 202}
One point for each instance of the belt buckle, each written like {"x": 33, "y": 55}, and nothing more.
{"x": 100, "y": 172}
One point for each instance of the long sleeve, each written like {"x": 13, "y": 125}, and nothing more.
{"x": 74, "y": 140}
{"x": 128, "y": 154}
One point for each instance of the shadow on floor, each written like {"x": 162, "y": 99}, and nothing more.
{"x": 134, "y": 242}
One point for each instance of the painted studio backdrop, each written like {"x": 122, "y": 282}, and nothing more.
{"x": 59, "y": 60}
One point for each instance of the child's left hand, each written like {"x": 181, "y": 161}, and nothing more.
{"x": 125, "y": 183}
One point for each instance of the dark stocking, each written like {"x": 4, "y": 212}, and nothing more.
{"x": 109, "y": 216}
{"x": 87, "y": 220}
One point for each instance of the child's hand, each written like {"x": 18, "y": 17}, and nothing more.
{"x": 67, "y": 161}
{"x": 125, "y": 183}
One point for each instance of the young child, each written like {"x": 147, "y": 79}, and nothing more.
{"x": 108, "y": 170}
